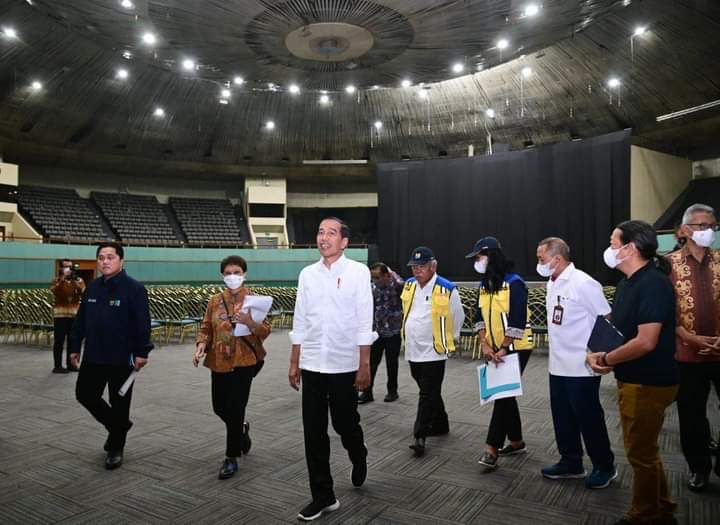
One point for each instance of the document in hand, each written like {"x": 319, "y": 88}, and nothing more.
{"x": 503, "y": 380}
{"x": 604, "y": 337}
{"x": 259, "y": 306}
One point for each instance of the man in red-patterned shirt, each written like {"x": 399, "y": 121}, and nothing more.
{"x": 696, "y": 279}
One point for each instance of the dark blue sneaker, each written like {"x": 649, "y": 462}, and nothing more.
{"x": 228, "y": 469}
{"x": 563, "y": 471}
{"x": 600, "y": 479}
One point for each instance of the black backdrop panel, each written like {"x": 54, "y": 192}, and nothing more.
{"x": 577, "y": 190}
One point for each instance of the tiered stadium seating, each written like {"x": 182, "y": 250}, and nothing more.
{"x": 209, "y": 221}
{"x": 61, "y": 214}
{"x": 138, "y": 219}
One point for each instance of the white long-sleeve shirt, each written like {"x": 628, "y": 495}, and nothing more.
{"x": 333, "y": 316}
{"x": 418, "y": 326}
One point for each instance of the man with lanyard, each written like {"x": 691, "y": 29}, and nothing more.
{"x": 331, "y": 338}
{"x": 432, "y": 318}
{"x": 574, "y": 302}
{"x": 114, "y": 322}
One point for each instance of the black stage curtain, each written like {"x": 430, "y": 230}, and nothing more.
{"x": 576, "y": 190}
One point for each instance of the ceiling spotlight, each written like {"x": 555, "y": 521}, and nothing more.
{"x": 188, "y": 65}
{"x": 423, "y": 93}
{"x": 127, "y": 55}
{"x": 639, "y": 30}
{"x": 159, "y": 112}
{"x": 36, "y": 85}
{"x": 376, "y": 86}
{"x": 490, "y": 113}
{"x": 480, "y": 66}
{"x": 225, "y": 93}
{"x": 9, "y": 32}
{"x": 324, "y": 99}
{"x": 269, "y": 125}
{"x": 377, "y": 124}
{"x": 350, "y": 89}
{"x": 613, "y": 83}
{"x": 531, "y": 10}
{"x": 238, "y": 80}
{"x": 271, "y": 86}
{"x": 294, "y": 89}
{"x": 149, "y": 39}
{"x": 526, "y": 72}
{"x": 502, "y": 43}
{"x": 406, "y": 83}
{"x": 122, "y": 74}
{"x": 127, "y": 4}
{"x": 224, "y": 101}
{"x": 458, "y": 67}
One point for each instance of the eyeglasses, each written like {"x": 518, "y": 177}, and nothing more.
{"x": 705, "y": 226}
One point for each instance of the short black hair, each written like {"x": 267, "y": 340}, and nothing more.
{"x": 111, "y": 244}
{"x": 380, "y": 266}
{"x": 65, "y": 260}
{"x": 235, "y": 260}
{"x": 644, "y": 237}
{"x": 344, "y": 228}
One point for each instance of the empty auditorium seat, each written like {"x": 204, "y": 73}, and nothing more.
{"x": 138, "y": 219}
{"x": 209, "y": 221}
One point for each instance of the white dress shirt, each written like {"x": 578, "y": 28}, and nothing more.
{"x": 333, "y": 316}
{"x": 582, "y": 300}
{"x": 418, "y": 326}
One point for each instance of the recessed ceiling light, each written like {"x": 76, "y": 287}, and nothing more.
{"x": 377, "y": 124}
{"x": 159, "y": 112}
{"x": 238, "y": 80}
{"x": 149, "y": 38}
{"x": 376, "y": 86}
{"x": 324, "y": 99}
{"x": 502, "y": 43}
{"x": 490, "y": 112}
{"x": 224, "y": 101}
{"x": 639, "y": 30}
{"x": 406, "y": 83}
{"x": 531, "y": 10}
{"x": 350, "y": 89}
{"x": 423, "y": 93}
{"x": 614, "y": 82}
{"x": 480, "y": 67}
{"x": 188, "y": 65}
{"x": 271, "y": 86}
{"x": 627, "y": 3}
{"x": 225, "y": 93}
{"x": 121, "y": 73}
{"x": 9, "y": 32}
{"x": 294, "y": 89}
{"x": 36, "y": 85}
{"x": 458, "y": 67}
{"x": 526, "y": 72}
{"x": 127, "y": 55}
{"x": 269, "y": 125}
{"x": 127, "y": 4}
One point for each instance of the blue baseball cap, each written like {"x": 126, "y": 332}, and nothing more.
{"x": 421, "y": 255}
{"x": 486, "y": 243}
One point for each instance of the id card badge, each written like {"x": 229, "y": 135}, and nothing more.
{"x": 558, "y": 313}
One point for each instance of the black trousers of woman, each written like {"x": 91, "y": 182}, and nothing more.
{"x": 505, "y": 421}
{"x": 230, "y": 393}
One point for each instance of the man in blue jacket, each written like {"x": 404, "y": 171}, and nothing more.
{"x": 114, "y": 322}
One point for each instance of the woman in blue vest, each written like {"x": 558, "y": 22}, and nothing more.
{"x": 501, "y": 321}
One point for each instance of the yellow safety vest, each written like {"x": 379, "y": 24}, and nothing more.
{"x": 495, "y": 308}
{"x": 441, "y": 314}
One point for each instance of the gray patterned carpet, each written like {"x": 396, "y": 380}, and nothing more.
{"x": 51, "y": 458}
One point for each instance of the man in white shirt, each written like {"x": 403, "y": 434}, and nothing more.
{"x": 432, "y": 318}
{"x": 331, "y": 337}
{"x": 574, "y": 302}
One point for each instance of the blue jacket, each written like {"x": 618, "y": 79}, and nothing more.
{"x": 114, "y": 321}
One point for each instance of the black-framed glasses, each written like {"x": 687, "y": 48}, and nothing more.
{"x": 704, "y": 226}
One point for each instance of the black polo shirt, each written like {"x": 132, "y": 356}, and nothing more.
{"x": 647, "y": 297}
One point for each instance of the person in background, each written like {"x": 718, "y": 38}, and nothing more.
{"x": 233, "y": 360}
{"x": 695, "y": 277}
{"x": 67, "y": 289}
{"x": 643, "y": 311}
{"x": 386, "y": 287}
{"x": 574, "y": 300}
{"x": 502, "y": 325}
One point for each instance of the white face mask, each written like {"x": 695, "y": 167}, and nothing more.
{"x": 481, "y": 265}
{"x": 704, "y": 238}
{"x": 234, "y": 281}
{"x": 610, "y": 256}
{"x": 545, "y": 270}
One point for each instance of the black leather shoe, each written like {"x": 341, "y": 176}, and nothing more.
{"x": 698, "y": 481}
{"x": 247, "y": 442}
{"x": 419, "y": 447}
{"x": 114, "y": 459}
{"x": 228, "y": 469}
{"x": 391, "y": 396}
{"x": 359, "y": 470}
{"x": 365, "y": 397}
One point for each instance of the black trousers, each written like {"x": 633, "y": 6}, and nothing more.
{"x": 391, "y": 347}
{"x": 695, "y": 382}
{"x": 338, "y": 392}
{"x": 230, "y": 393}
{"x": 62, "y": 330}
{"x": 115, "y": 417}
{"x": 431, "y": 417}
{"x": 505, "y": 421}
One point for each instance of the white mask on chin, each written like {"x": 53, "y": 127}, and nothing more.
{"x": 481, "y": 266}
{"x": 234, "y": 281}
{"x": 704, "y": 238}
{"x": 545, "y": 270}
